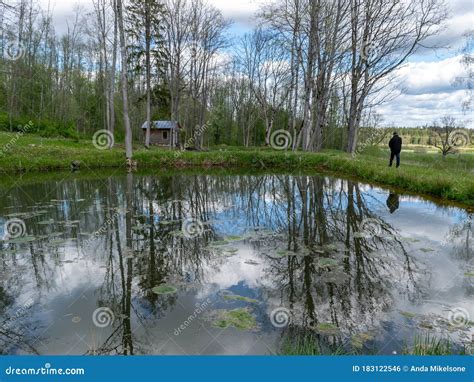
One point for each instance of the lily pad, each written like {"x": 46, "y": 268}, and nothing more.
{"x": 168, "y": 222}
{"x": 327, "y": 328}
{"x": 408, "y": 314}
{"x": 286, "y": 253}
{"x": 231, "y": 296}
{"x": 234, "y": 238}
{"x": 18, "y": 215}
{"x": 47, "y": 222}
{"x": 326, "y": 262}
{"x": 218, "y": 243}
{"x": 250, "y": 262}
{"x": 23, "y": 239}
{"x": 238, "y": 318}
{"x": 358, "y": 340}
{"x": 426, "y": 250}
{"x": 411, "y": 239}
{"x": 57, "y": 242}
{"x": 426, "y": 325}
{"x": 164, "y": 289}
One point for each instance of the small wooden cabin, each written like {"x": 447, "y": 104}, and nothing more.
{"x": 163, "y": 133}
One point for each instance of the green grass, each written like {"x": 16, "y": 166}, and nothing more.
{"x": 450, "y": 179}
{"x": 428, "y": 345}
{"x": 310, "y": 344}
{"x": 301, "y": 343}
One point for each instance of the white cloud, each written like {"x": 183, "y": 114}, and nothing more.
{"x": 241, "y": 11}
{"x": 422, "y": 109}
{"x": 431, "y": 77}
{"x": 427, "y": 93}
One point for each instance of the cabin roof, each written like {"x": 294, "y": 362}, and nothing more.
{"x": 161, "y": 125}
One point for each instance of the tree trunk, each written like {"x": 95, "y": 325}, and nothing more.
{"x": 124, "y": 76}
{"x": 148, "y": 76}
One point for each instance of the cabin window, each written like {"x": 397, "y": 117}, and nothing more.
{"x": 165, "y": 135}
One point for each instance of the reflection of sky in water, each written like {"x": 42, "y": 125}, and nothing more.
{"x": 73, "y": 285}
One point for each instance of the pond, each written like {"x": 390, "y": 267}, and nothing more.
{"x": 229, "y": 264}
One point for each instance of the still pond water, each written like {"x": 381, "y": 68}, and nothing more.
{"x": 207, "y": 264}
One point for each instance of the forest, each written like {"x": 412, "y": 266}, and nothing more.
{"x": 246, "y": 177}
{"x": 309, "y": 76}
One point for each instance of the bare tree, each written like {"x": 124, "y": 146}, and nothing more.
{"x": 384, "y": 34}
{"x": 443, "y": 135}
{"x": 124, "y": 76}
{"x": 265, "y": 65}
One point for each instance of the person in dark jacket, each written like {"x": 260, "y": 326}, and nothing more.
{"x": 395, "y": 145}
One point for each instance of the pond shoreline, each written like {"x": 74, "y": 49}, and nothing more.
{"x": 33, "y": 177}
{"x": 437, "y": 179}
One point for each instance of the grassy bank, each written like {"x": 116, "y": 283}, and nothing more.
{"x": 450, "y": 179}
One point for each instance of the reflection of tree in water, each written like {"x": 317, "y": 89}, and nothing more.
{"x": 142, "y": 246}
{"x": 335, "y": 274}
{"x": 157, "y": 251}
{"x": 460, "y": 237}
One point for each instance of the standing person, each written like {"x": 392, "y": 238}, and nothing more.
{"x": 395, "y": 145}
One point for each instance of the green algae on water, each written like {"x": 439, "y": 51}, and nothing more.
{"x": 238, "y": 318}
{"x": 164, "y": 289}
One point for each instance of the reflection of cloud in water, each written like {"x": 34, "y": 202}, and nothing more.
{"x": 234, "y": 270}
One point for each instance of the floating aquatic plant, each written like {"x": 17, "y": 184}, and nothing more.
{"x": 164, "y": 289}
{"x": 234, "y": 238}
{"x": 326, "y": 262}
{"x": 358, "y": 340}
{"x": 231, "y": 296}
{"x": 250, "y": 262}
{"x": 327, "y": 328}
{"x": 237, "y": 318}
{"x": 22, "y": 240}
{"x": 408, "y": 314}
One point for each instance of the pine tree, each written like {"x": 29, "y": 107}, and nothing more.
{"x": 145, "y": 28}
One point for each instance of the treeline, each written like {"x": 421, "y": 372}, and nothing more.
{"x": 311, "y": 71}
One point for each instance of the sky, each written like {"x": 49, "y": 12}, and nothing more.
{"x": 424, "y": 89}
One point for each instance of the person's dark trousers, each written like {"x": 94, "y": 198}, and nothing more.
{"x": 393, "y": 155}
